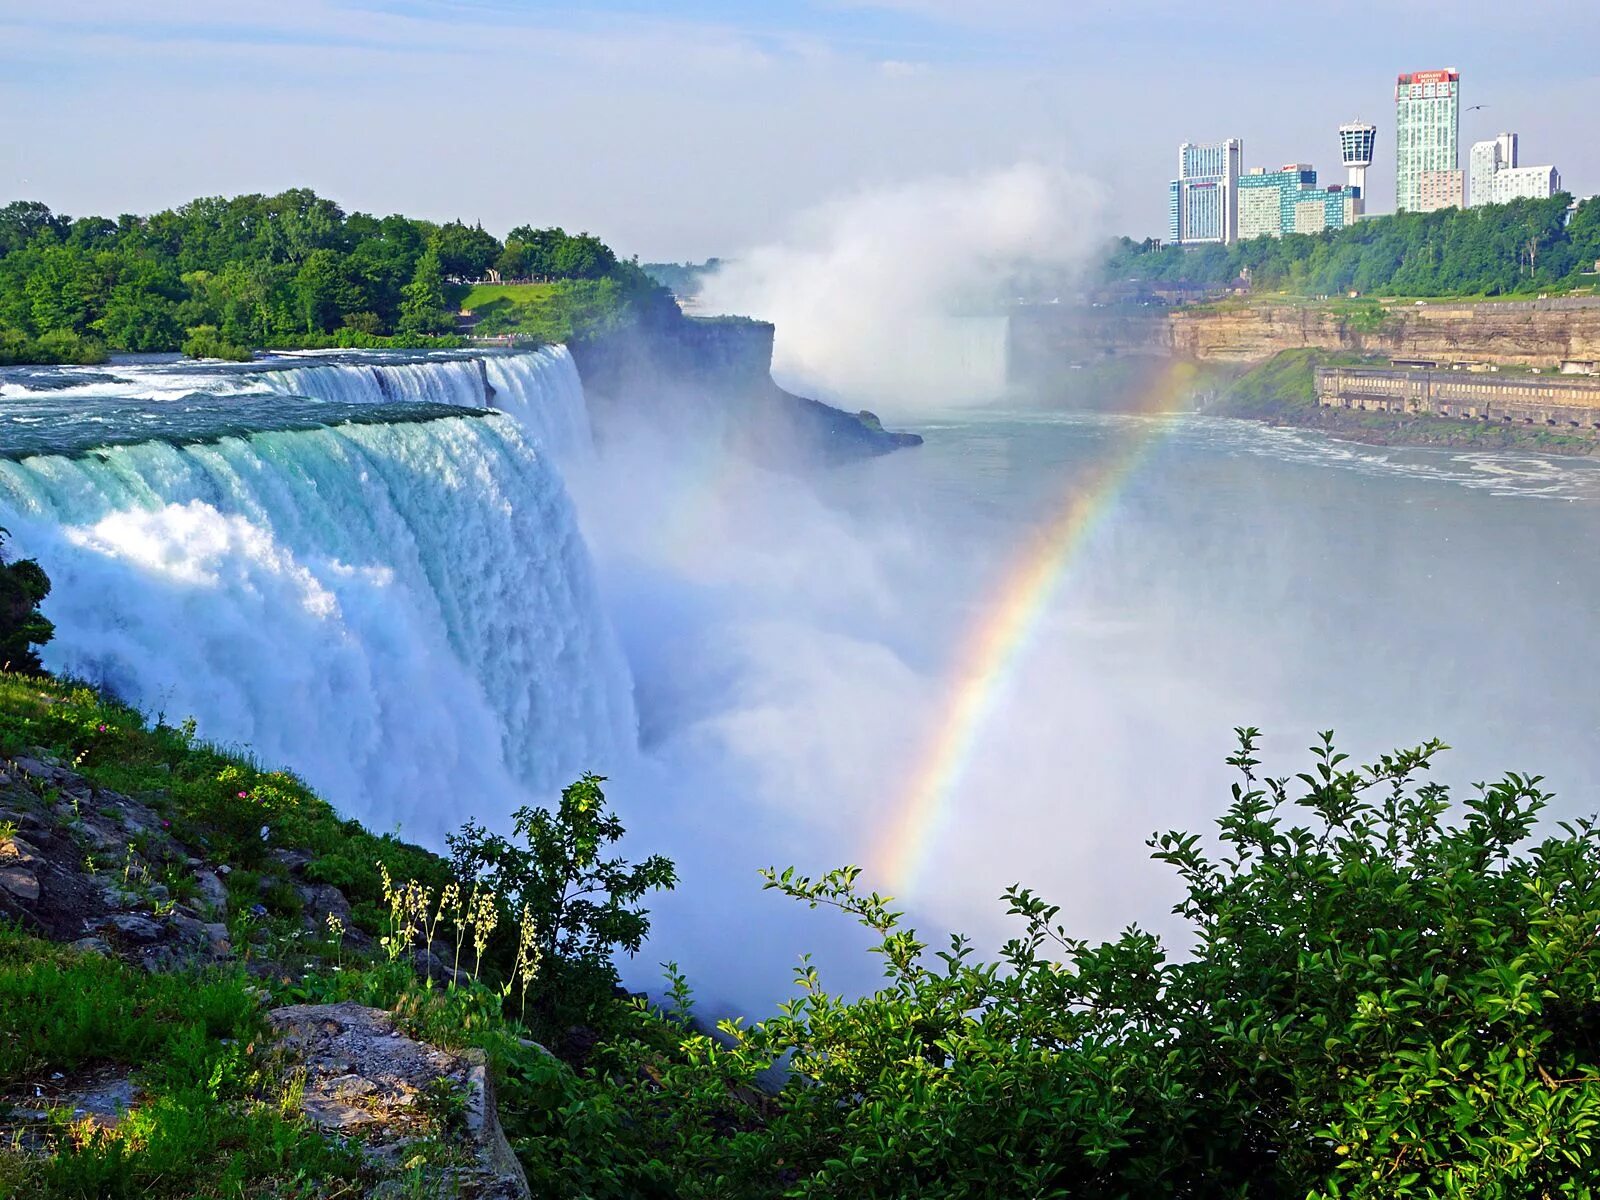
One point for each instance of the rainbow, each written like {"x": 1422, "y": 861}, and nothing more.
{"x": 991, "y": 650}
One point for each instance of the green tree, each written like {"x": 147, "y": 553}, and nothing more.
{"x": 23, "y": 585}
{"x": 584, "y": 902}
{"x": 423, "y": 307}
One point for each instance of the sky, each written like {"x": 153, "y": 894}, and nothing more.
{"x": 707, "y": 127}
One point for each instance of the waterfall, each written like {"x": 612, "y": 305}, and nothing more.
{"x": 405, "y": 613}
{"x": 540, "y": 389}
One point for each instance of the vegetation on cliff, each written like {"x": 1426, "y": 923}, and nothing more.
{"x": 228, "y": 275}
{"x": 1488, "y": 250}
{"x": 1390, "y": 992}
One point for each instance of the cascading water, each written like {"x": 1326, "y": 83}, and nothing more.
{"x": 540, "y": 389}
{"x": 404, "y": 611}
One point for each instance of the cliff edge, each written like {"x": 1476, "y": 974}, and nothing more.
{"x": 715, "y": 375}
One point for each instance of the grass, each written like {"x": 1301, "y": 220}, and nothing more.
{"x": 521, "y": 294}
{"x": 546, "y": 312}
{"x": 212, "y": 1118}
{"x": 218, "y": 1109}
{"x": 214, "y": 798}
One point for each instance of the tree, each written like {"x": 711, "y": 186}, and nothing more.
{"x": 583, "y": 904}
{"x": 465, "y": 252}
{"x": 423, "y": 308}
{"x": 23, "y": 585}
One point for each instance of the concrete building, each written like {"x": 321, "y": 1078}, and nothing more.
{"x": 1357, "y": 142}
{"x": 1496, "y": 176}
{"x": 1203, "y": 201}
{"x": 1267, "y": 199}
{"x": 1427, "y": 140}
{"x": 1288, "y": 200}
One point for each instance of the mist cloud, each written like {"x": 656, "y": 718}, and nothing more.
{"x": 877, "y": 295}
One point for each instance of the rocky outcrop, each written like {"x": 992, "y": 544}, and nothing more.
{"x": 404, "y": 1102}
{"x": 713, "y": 377}
{"x": 103, "y": 871}
{"x": 1047, "y": 340}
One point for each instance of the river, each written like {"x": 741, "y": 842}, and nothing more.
{"x": 1007, "y": 656}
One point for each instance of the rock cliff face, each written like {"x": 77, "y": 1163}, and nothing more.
{"x": 1046, "y": 340}
{"x": 1512, "y": 333}
{"x": 715, "y": 376}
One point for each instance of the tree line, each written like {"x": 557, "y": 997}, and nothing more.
{"x": 221, "y": 276}
{"x": 1491, "y": 250}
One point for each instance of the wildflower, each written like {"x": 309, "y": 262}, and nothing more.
{"x": 243, "y": 795}
{"x": 101, "y": 729}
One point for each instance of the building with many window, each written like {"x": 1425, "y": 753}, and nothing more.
{"x": 1203, "y": 201}
{"x": 1495, "y": 176}
{"x": 1288, "y": 200}
{"x": 1427, "y": 140}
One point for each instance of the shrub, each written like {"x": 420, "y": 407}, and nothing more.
{"x": 206, "y": 341}
{"x": 1381, "y": 1001}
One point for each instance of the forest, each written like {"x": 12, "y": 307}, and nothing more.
{"x": 219, "y": 277}
{"x": 1492, "y": 250}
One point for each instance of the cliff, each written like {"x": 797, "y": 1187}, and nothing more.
{"x": 1047, "y": 339}
{"x": 716, "y": 375}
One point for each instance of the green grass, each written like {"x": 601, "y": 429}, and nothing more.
{"x": 215, "y": 799}
{"x": 213, "y": 1116}
{"x": 547, "y": 312}
{"x": 519, "y": 294}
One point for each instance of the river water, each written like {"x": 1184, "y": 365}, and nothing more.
{"x": 1009, "y": 655}
{"x": 1226, "y": 574}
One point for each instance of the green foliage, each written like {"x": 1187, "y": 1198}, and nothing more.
{"x": 221, "y": 276}
{"x": 206, "y": 341}
{"x": 584, "y": 904}
{"x": 424, "y": 308}
{"x": 1488, "y": 250}
{"x": 1286, "y": 380}
{"x": 1379, "y": 1002}
{"x": 23, "y": 585}
{"x": 206, "y": 1116}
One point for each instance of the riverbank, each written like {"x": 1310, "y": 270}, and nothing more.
{"x": 1283, "y": 391}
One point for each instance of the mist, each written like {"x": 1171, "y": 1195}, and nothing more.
{"x": 891, "y": 296}
{"x": 793, "y": 641}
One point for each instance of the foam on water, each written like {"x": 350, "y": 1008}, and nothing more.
{"x": 406, "y": 612}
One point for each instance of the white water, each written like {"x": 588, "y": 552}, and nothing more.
{"x": 406, "y": 613}
{"x": 541, "y": 389}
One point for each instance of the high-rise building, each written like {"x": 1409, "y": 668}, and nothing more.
{"x": 1427, "y": 140}
{"x": 1496, "y": 176}
{"x": 1357, "y": 142}
{"x": 1267, "y": 199}
{"x": 1288, "y": 200}
{"x": 1203, "y": 201}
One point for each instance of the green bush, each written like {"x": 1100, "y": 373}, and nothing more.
{"x": 23, "y": 586}
{"x": 1380, "y": 1001}
{"x": 206, "y": 341}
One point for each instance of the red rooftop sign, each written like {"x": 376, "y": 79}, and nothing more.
{"x": 1430, "y": 77}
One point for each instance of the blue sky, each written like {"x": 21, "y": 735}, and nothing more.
{"x": 702, "y": 127}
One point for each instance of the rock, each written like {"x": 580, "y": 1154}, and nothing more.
{"x": 20, "y": 882}
{"x": 365, "y": 1077}
{"x": 320, "y": 900}
{"x": 92, "y": 945}
{"x": 212, "y": 893}
{"x": 431, "y": 966}
{"x": 16, "y": 852}
{"x": 293, "y": 861}
{"x": 134, "y": 927}
{"x": 217, "y": 938}
{"x": 51, "y": 776}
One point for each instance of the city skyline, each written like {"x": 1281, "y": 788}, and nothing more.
{"x": 757, "y": 114}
